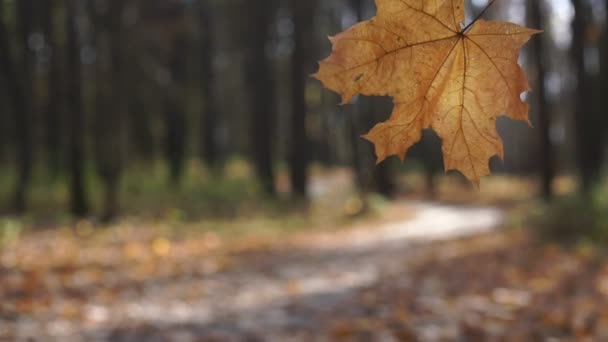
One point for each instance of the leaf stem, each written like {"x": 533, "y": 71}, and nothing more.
{"x": 479, "y": 16}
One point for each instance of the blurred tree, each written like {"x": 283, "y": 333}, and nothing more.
{"x": 6, "y": 140}
{"x": 54, "y": 119}
{"x": 358, "y": 147}
{"x": 111, "y": 86}
{"x": 15, "y": 84}
{"x": 209, "y": 113}
{"x": 175, "y": 112}
{"x": 383, "y": 174}
{"x": 22, "y": 103}
{"x": 135, "y": 55}
{"x": 303, "y": 64}
{"x": 141, "y": 118}
{"x": 546, "y": 163}
{"x": 604, "y": 74}
{"x": 370, "y": 177}
{"x": 334, "y": 144}
{"x": 76, "y": 114}
{"x": 587, "y": 123}
{"x": 261, "y": 83}
{"x": 140, "y": 60}
{"x": 5, "y": 124}
{"x": 428, "y": 153}
{"x": 159, "y": 68}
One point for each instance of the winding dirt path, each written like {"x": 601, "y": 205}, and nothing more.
{"x": 275, "y": 296}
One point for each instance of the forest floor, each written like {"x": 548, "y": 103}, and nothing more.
{"x": 425, "y": 272}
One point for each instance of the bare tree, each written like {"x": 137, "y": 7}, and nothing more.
{"x": 262, "y": 94}
{"x": 209, "y": 113}
{"x": 55, "y": 86}
{"x": 175, "y": 113}
{"x": 369, "y": 177}
{"x": 545, "y": 162}
{"x": 587, "y": 122}
{"x": 76, "y": 114}
{"x": 24, "y": 123}
{"x": 302, "y": 64}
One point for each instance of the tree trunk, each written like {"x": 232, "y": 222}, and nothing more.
{"x": 21, "y": 105}
{"x": 175, "y": 114}
{"x": 587, "y": 124}
{"x": 5, "y": 125}
{"x": 110, "y": 112}
{"x": 175, "y": 122}
{"x": 355, "y": 143}
{"x": 354, "y": 123}
{"x": 604, "y": 77}
{"x": 546, "y": 163}
{"x": 76, "y": 126}
{"x": 369, "y": 177}
{"x": 54, "y": 92}
{"x": 14, "y": 84}
{"x": 140, "y": 130}
{"x": 302, "y": 66}
{"x": 209, "y": 113}
{"x": 261, "y": 84}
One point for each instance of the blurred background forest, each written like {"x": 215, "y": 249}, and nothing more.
{"x": 191, "y": 128}
{"x": 108, "y": 102}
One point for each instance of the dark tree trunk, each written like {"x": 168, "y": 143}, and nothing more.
{"x": 356, "y": 147}
{"x": 545, "y": 162}
{"x": 427, "y": 152}
{"x": 209, "y": 113}
{"x": 382, "y": 175}
{"x": 120, "y": 81}
{"x": 604, "y": 78}
{"x": 22, "y": 107}
{"x": 175, "y": 145}
{"x": 15, "y": 85}
{"x": 261, "y": 84}
{"x": 355, "y": 129}
{"x": 76, "y": 115}
{"x": 140, "y": 110}
{"x": 383, "y": 180}
{"x": 111, "y": 102}
{"x": 5, "y": 124}
{"x": 140, "y": 131}
{"x": 324, "y": 147}
{"x": 369, "y": 177}
{"x": 587, "y": 123}
{"x": 302, "y": 65}
{"x": 55, "y": 92}
{"x": 175, "y": 112}
{"x": 6, "y": 99}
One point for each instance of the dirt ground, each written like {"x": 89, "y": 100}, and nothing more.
{"x": 441, "y": 273}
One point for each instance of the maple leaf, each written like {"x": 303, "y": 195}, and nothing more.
{"x": 441, "y": 74}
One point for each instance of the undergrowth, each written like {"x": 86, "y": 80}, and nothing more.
{"x": 573, "y": 219}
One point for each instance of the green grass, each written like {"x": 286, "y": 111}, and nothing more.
{"x": 228, "y": 202}
{"x": 574, "y": 218}
{"x": 200, "y": 192}
{"x": 146, "y": 189}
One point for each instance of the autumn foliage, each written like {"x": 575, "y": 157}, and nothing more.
{"x": 443, "y": 75}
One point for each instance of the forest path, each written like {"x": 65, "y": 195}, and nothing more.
{"x": 280, "y": 295}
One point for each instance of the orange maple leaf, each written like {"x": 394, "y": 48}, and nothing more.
{"x": 441, "y": 74}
